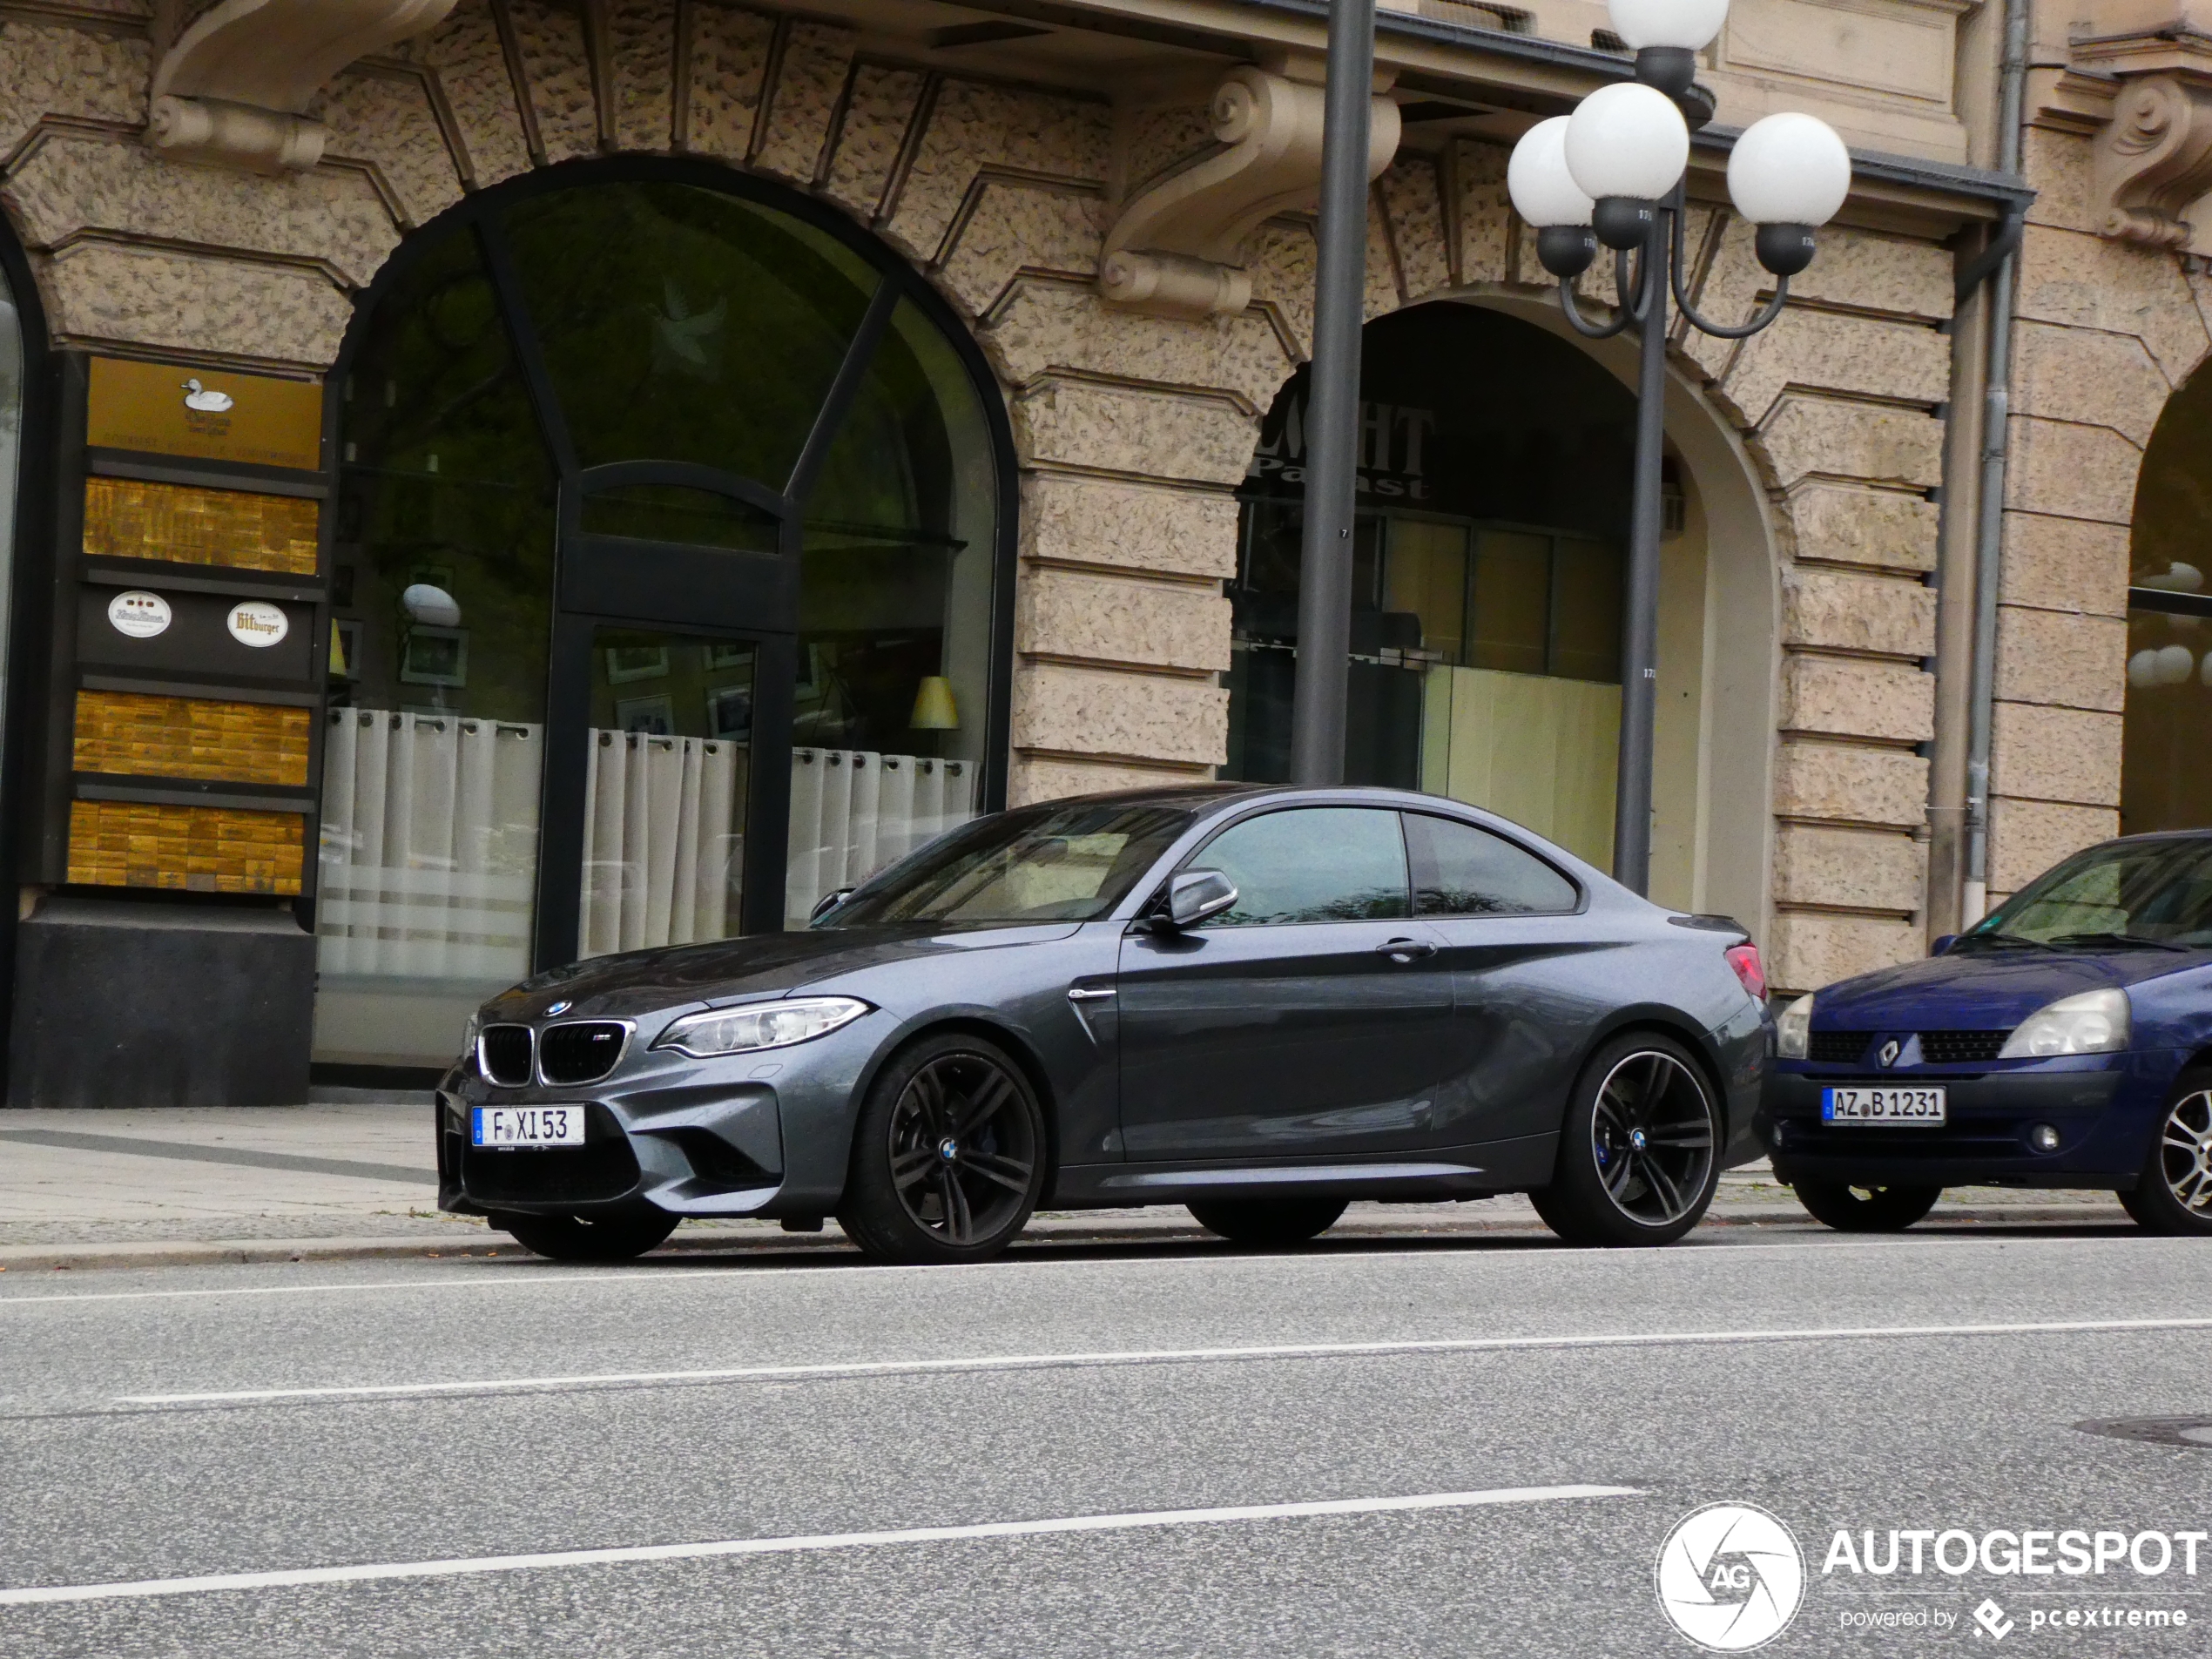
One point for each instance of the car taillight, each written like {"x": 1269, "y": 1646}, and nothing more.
{"x": 1744, "y": 959}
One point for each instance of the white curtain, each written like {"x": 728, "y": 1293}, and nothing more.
{"x": 430, "y": 846}
{"x": 853, "y": 812}
{"x": 663, "y": 842}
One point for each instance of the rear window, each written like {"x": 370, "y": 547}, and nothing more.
{"x": 1460, "y": 870}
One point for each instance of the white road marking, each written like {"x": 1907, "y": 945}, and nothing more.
{"x": 1177, "y": 1356}
{"x": 723, "y": 1274}
{"x": 457, "y": 1566}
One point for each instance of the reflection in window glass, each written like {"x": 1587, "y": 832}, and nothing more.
{"x": 441, "y": 580}
{"x": 2149, "y": 890}
{"x": 895, "y": 620}
{"x": 2164, "y": 783}
{"x": 1461, "y": 870}
{"x": 1310, "y": 864}
{"x": 683, "y": 324}
{"x": 11, "y": 394}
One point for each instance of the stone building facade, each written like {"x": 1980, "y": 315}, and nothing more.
{"x": 173, "y": 203}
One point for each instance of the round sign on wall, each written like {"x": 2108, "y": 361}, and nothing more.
{"x": 257, "y": 623}
{"x": 139, "y": 615}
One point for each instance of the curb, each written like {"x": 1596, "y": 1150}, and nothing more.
{"x": 1054, "y": 1231}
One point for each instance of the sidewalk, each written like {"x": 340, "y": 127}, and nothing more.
{"x": 358, "y": 1179}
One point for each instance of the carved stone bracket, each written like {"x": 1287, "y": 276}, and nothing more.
{"x": 232, "y": 88}
{"x": 2155, "y": 159}
{"x": 1170, "y": 250}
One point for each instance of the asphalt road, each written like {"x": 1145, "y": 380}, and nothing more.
{"x": 414, "y": 1426}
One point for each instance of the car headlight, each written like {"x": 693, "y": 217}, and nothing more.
{"x": 469, "y": 1032}
{"x": 763, "y": 1025}
{"x": 1794, "y": 1029}
{"x": 2089, "y": 1022}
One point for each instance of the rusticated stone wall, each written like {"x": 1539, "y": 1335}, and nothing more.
{"x": 1132, "y": 432}
{"x": 2106, "y": 331}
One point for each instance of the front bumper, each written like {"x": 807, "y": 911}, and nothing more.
{"x": 762, "y": 1134}
{"x": 2104, "y": 1113}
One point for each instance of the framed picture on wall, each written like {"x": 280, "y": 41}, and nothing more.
{"x": 646, "y": 717}
{"x": 435, "y": 656}
{"x": 729, "y": 713}
{"x": 628, "y": 662}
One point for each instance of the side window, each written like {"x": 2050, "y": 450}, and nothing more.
{"x": 1310, "y": 864}
{"x": 1461, "y": 870}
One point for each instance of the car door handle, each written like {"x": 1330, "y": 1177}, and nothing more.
{"x": 1089, "y": 993}
{"x": 1405, "y": 950}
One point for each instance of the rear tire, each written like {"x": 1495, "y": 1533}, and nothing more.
{"x": 1269, "y": 1221}
{"x": 589, "y": 1239}
{"x": 2174, "y": 1195}
{"x": 949, "y": 1154}
{"x": 1638, "y": 1148}
{"x": 1883, "y": 1210}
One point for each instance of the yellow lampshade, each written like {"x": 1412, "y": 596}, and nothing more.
{"x": 935, "y": 709}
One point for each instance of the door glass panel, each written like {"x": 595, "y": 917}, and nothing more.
{"x": 674, "y": 513}
{"x": 895, "y": 644}
{"x": 683, "y": 324}
{"x": 441, "y": 575}
{"x": 1461, "y": 870}
{"x": 1310, "y": 864}
{"x": 669, "y": 771}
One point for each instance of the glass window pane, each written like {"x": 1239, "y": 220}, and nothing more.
{"x": 1509, "y": 603}
{"x": 1310, "y": 864}
{"x": 1586, "y": 611}
{"x": 2163, "y": 781}
{"x": 674, "y": 513}
{"x": 441, "y": 575}
{"x": 1426, "y": 576}
{"x": 668, "y": 771}
{"x": 683, "y": 324}
{"x": 897, "y": 560}
{"x": 10, "y": 453}
{"x": 1461, "y": 870}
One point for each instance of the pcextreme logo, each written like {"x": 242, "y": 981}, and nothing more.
{"x": 1731, "y": 1577}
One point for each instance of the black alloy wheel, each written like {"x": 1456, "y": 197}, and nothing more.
{"x": 1639, "y": 1149}
{"x": 615, "y": 1238}
{"x": 1865, "y": 1209}
{"x": 948, "y": 1158}
{"x": 2174, "y": 1195}
{"x": 1269, "y": 1221}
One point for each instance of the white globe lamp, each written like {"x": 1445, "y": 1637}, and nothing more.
{"x": 1788, "y": 174}
{"x": 1626, "y": 147}
{"x": 1546, "y": 196}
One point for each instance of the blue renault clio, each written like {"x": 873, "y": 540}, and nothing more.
{"x": 2066, "y": 1041}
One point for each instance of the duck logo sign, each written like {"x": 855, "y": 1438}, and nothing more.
{"x": 1731, "y": 1577}
{"x": 203, "y": 401}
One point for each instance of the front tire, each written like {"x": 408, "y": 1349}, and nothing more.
{"x": 1268, "y": 1221}
{"x": 948, "y": 1158}
{"x": 588, "y": 1239}
{"x": 1638, "y": 1149}
{"x": 2174, "y": 1195}
{"x": 1883, "y": 1210}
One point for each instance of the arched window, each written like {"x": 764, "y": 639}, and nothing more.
{"x": 669, "y": 577}
{"x": 2163, "y": 782}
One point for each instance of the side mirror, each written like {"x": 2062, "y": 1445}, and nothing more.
{"x": 1943, "y": 944}
{"x": 828, "y": 902}
{"x": 1195, "y": 894}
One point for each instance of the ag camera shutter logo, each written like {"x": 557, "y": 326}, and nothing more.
{"x": 1731, "y": 1577}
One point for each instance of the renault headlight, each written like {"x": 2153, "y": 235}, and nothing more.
{"x": 1794, "y": 1029}
{"x": 2089, "y": 1023}
{"x": 761, "y": 1025}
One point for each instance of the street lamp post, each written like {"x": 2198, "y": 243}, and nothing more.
{"x": 1612, "y": 172}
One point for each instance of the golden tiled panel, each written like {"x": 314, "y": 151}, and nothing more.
{"x": 201, "y": 849}
{"x": 178, "y": 737}
{"x": 183, "y": 525}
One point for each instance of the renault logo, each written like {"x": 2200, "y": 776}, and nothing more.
{"x": 1890, "y": 1052}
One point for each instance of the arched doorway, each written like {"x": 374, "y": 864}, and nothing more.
{"x": 1494, "y": 505}
{"x": 2163, "y": 782}
{"x": 670, "y": 565}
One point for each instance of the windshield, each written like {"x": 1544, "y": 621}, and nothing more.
{"x": 1064, "y": 861}
{"x": 2139, "y": 892}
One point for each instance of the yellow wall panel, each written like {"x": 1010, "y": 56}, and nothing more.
{"x": 125, "y": 518}
{"x": 200, "y": 849}
{"x": 178, "y": 737}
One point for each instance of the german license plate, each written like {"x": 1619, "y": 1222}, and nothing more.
{"x": 528, "y": 1126}
{"x": 1900, "y": 1108}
